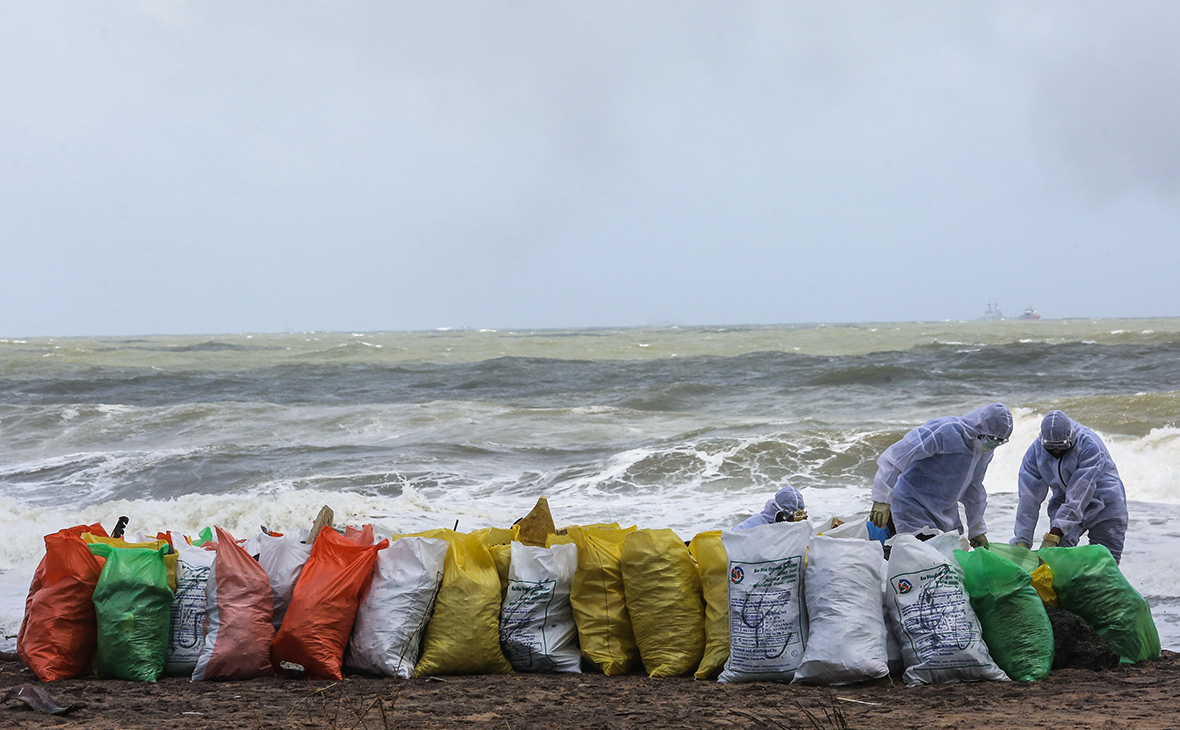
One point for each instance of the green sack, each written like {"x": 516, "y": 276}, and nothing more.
{"x": 133, "y": 604}
{"x": 1019, "y": 554}
{"x": 1089, "y": 583}
{"x": 1015, "y": 625}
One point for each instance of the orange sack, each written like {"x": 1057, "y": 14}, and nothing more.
{"x": 323, "y": 605}
{"x": 239, "y": 608}
{"x": 59, "y": 633}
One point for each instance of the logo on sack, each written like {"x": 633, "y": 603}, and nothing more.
{"x": 904, "y": 586}
{"x": 737, "y": 575}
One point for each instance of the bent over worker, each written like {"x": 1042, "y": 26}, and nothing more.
{"x": 922, "y": 479}
{"x": 786, "y": 506}
{"x": 1088, "y": 496}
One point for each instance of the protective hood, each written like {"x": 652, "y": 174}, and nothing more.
{"x": 1057, "y": 428}
{"x": 991, "y": 420}
{"x": 788, "y": 499}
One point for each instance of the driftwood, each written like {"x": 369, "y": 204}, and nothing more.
{"x": 38, "y": 699}
{"x": 322, "y": 520}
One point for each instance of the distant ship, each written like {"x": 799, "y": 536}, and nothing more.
{"x": 1030, "y": 313}
{"x": 993, "y": 311}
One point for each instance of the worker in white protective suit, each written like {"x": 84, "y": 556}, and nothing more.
{"x": 1088, "y": 496}
{"x": 787, "y": 506}
{"x": 922, "y": 479}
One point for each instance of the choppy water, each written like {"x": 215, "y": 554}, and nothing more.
{"x": 688, "y": 428}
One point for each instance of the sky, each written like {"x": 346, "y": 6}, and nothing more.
{"x": 190, "y": 167}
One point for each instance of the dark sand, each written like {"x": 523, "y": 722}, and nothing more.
{"x": 1145, "y": 696}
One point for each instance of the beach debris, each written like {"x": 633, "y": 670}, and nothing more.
{"x": 537, "y": 524}
{"x": 322, "y": 520}
{"x": 859, "y": 702}
{"x": 38, "y": 699}
{"x": 1076, "y": 644}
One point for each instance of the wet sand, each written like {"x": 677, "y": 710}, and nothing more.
{"x": 1146, "y": 697}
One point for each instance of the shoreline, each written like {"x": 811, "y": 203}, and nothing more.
{"x": 1144, "y": 696}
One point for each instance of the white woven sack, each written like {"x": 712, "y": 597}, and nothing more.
{"x": 282, "y": 558}
{"x": 392, "y": 616}
{"x": 766, "y": 622}
{"x": 537, "y": 629}
{"x": 187, "y": 635}
{"x": 846, "y": 640}
{"x": 855, "y": 526}
{"x": 930, "y": 611}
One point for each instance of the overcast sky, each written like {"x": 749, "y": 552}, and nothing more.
{"x": 169, "y": 166}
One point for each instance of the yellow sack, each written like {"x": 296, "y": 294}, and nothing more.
{"x": 499, "y": 541}
{"x": 1042, "y": 580}
{"x": 663, "y": 591}
{"x": 463, "y": 636}
{"x": 169, "y": 559}
{"x": 707, "y": 550}
{"x": 600, "y": 609}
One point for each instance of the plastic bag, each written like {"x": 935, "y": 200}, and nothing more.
{"x": 283, "y": 559}
{"x": 600, "y": 607}
{"x": 709, "y": 554}
{"x": 238, "y": 612}
{"x": 662, "y": 588}
{"x": 537, "y": 630}
{"x": 1015, "y": 626}
{"x": 393, "y": 613}
{"x": 133, "y": 605}
{"x": 463, "y": 636}
{"x": 170, "y": 557}
{"x": 766, "y": 622}
{"x": 58, "y": 634}
{"x": 1089, "y": 583}
{"x": 1019, "y": 554}
{"x": 846, "y": 615}
{"x": 930, "y": 611}
{"x": 1042, "y": 582}
{"x": 323, "y": 605}
{"x": 187, "y": 635}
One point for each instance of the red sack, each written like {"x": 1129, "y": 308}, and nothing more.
{"x": 59, "y": 633}
{"x": 361, "y": 536}
{"x": 323, "y": 605}
{"x": 237, "y": 615}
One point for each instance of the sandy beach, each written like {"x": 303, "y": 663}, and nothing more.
{"x": 1145, "y": 697}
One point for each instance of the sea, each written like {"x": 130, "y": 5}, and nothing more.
{"x": 688, "y": 428}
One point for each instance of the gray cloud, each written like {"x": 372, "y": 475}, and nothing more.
{"x": 181, "y": 166}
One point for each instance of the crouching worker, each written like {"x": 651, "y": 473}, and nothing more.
{"x": 922, "y": 479}
{"x": 787, "y": 506}
{"x": 1072, "y": 462}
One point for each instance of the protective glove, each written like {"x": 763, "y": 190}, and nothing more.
{"x": 1050, "y": 540}
{"x": 979, "y": 541}
{"x": 880, "y": 514}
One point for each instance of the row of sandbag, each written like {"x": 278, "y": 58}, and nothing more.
{"x": 942, "y": 612}
{"x": 232, "y": 609}
{"x": 732, "y": 602}
{"x": 783, "y": 601}
{"x": 794, "y": 601}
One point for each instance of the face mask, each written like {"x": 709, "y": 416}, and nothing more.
{"x": 1058, "y": 449}
{"x": 990, "y": 442}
